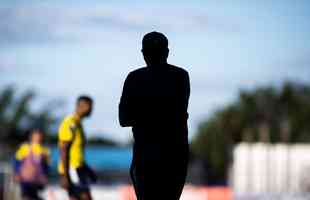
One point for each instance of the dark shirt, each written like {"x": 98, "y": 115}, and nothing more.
{"x": 154, "y": 102}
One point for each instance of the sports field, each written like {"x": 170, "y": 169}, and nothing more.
{"x": 123, "y": 192}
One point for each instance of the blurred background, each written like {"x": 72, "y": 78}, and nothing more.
{"x": 249, "y": 65}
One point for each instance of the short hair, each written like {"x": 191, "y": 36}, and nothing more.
{"x": 154, "y": 40}
{"x": 85, "y": 98}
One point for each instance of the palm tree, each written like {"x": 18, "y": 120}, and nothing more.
{"x": 16, "y": 117}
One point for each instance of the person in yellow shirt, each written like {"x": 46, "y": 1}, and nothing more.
{"x": 31, "y": 166}
{"x": 75, "y": 174}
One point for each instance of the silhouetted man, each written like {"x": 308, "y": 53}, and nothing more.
{"x": 154, "y": 103}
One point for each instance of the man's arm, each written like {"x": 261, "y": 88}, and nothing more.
{"x": 185, "y": 93}
{"x": 64, "y": 156}
{"x": 187, "y": 89}
{"x": 125, "y": 107}
{"x": 17, "y": 161}
{"x": 91, "y": 173}
{"x": 65, "y": 136}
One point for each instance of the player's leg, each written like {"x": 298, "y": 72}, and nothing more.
{"x": 85, "y": 195}
{"x": 30, "y": 192}
{"x": 73, "y": 193}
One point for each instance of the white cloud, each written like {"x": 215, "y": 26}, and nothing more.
{"x": 42, "y": 24}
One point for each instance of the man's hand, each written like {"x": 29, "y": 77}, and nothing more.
{"x": 65, "y": 182}
{"x": 91, "y": 173}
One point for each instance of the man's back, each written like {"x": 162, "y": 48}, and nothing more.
{"x": 157, "y": 98}
{"x": 154, "y": 103}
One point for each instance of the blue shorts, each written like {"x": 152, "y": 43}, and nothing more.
{"x": 31, "y": 190}
{"x": 80, "y": 182}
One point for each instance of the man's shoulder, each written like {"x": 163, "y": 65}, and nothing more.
{"x": 22, "y": 151}
{"x": 45, "y": 150}
{"x": 138, "y": 71}
{"x": 67, "y": 127}
{"x": 177, "y": 69}
{"x": 69, "y": 119}
{"x": 24, "y": 146}
{"x": 169, "y": 66}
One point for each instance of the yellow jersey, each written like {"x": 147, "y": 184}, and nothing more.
{"x": 37, "y": 149}
{"x": 71, "y": 130}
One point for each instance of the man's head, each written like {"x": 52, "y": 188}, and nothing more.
{"x": 36, "y": 136}
{"x": 84, "y": 106}
{"x": 155, "y": 48}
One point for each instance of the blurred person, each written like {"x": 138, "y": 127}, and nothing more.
{"x": 31, "y": 166}
{"x": 75, "y": 174}
{"x": 154, "y": 103}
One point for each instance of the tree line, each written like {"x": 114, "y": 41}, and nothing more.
{"x": 266, "y": 114}
{"x": 18, "y": 116}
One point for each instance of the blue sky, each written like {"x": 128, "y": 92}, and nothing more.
{"x": 65, "y": 48}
